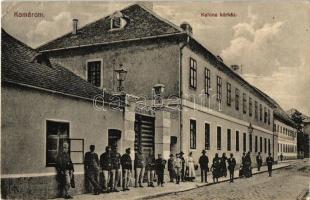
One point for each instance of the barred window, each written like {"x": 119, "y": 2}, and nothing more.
{"x": 193, "y": 73}
{"x": 94, "y": 73}
{"x": 237, "y": 99}
{"x": 228, "y": 94}
{"x": 207, "y": 81}
{"x": 219, "y": 88}
{"x": 192, "y": 134}
{"x": 244, "y": 103}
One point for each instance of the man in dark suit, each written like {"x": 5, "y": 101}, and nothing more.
{"x": 126, "y": 169}
{"x": 160, "y": 164}
{"x": 91, "y": 164}
{"x": 259, "y": 161}
{"x": 269, "y": 162}
{"x": 231, "y": 167}
{"x": 204, "y": 163}
{"x": 106, "y": 165}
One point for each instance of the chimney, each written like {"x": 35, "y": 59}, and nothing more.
{"x": 237, "y": 69}
{"x": 187, "y": 27}
{"x": 75, "y": 26}
{"x": 146, "y": 4}
{"x": 219, "y": 58}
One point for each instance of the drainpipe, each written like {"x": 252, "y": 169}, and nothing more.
{"x": 181, "y": 91}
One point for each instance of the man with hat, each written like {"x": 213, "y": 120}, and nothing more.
{"x": 126, "y": 168}
{"x": 139, "y": 168}
{"x": 177, "y": 164}
{"x": 160, "y": 164}
{"x": 204, "y": 162}
{"x": 269, "y": 162}
{"x": 106, "y": 165}
{"x": 183, "y": 166}
{"x": 171, "y": 168}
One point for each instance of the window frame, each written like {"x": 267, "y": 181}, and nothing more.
{"x": 237, "y": 98}
{"x": 207, "y": 81}
{"x": 255, "y": 110}
{"x": 207, "y": 136}
{"x": 218, "y": 137}
{"x": 192, "y": 73}
{"x": 101, "y": 70}
{"x": 250, "y": 106}
{"x": 237, "y": 140}
{"x": 244, "y": 103}
{"x": 250, "y": 142}
{"x": 256, "y": 143}
{"x": 228, "y": 139}
{"x": 193, "y": 134}
{"x": 244, "y": 142}
{"x": 228, "y": 99}
{"x": 260, "y": 112}
{"x": 218, "y": 88}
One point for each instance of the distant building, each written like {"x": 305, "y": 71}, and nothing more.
{"x": 218, "y": 110}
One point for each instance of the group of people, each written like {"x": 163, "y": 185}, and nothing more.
{"x": 115, "y": 166}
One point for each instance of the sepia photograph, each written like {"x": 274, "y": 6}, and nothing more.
{"x": 136, "y": 100}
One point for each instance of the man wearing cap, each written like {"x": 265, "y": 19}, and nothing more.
{"x": 269, "y": 162}
{"x": 160, "y": 164}
{"x": 183, "y": 166}
{"x": 116, "y": 168}
{"x": 126, "y": 168}
{"x": 139, "y": 168}
{"x": 204, "y": 163}
{"x": 177, "y": 164}
{"x": 64, "y": 167}
{"x": 91, "y": 164}
{"x": 171, "y": 168}
{"x": 106, "y": 165}
{"x": 150, "y": 168}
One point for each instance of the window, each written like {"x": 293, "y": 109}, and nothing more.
{"x": 260, "y": 144}
{"x": 255, "y": 110}
{"x": 244, "y": 103}
{"x": 269, "y": 117}
{"x": 56, "y": 134}
{"x": 265, "y": 115}
{"x": 228, "y": 94}
{"x": 228, "y": 139}
{"x": 237, "y": 99}
{"x": 207, "y": 136}
{"x": 77, "y": 151}
{"x": 250, "y": 107}
{"x": 269, "y": 146}
{"x": 250, "y": 142}
{"x": 265, "y": 145}
{"x": 244, "y": 142}
{"x": 192, "y": 134}
{"x": 219, "y": 137}
{"x": 237, "y": 140}
{"x": 193, "y": 74}
{"x": 94, "y": 73}
{"x": 116, "y": 22}
{"x": 256, "y": 147}
{"x": 260, "y": 112}
{"x": 207, "y": 81}
{"x": 219, "y": 88}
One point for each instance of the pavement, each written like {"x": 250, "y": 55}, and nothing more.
{"x": 170, "y": 188}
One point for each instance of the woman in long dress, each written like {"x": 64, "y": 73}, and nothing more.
{"x": 191, "y": 167}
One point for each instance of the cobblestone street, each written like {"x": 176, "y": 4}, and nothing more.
{"x": 285, "y": 184}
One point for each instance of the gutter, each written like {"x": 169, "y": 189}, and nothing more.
{"x": 181, "y": 91}
{"x": 113, "y": 42}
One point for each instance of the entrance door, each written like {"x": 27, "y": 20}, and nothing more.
{"x": 114, "y": 137}
{"x": 144, "y": 134}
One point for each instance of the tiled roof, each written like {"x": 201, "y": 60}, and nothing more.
{"x": 18, "y": 67}
{"x": 141, "y": 23}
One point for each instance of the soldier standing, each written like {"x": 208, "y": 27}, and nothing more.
{"x": 183, "y": 167}
{"x": 64, "y": 167}
{"x": 269, "y": 162}
{"x": 204, "y": 163}
{"x": 126, "y": 168}
{"x": 106, "y": 165}
{"x": 160, "y": 164}
{"x": 150, "y": 168}
{"x": 259, "y": 161}
{"x": 231, "y": 167}
{"x": 139, "y": 168}
{"x": 91, "y": 164}
{"x": 116, "y": 169}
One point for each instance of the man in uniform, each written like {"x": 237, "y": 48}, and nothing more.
{"x": 259, "y": 161}
{"x": 160, "y": 164}
{"x": 116, "y": 168}
{"x": 64, "y": 167}
{"x": 139, "y": 168}
{"x": 106, "y": 165}
{"x": 177, "y": 165}
{"x": 171, "y": 168}
{"x": 231, "y": 167}
{"x": 269, "y": 162}
{"x": 204, "y": 163}
{"x": 91, "y": 164}
{"x": 126, "y": 168}
{"x": 150, "y": 168}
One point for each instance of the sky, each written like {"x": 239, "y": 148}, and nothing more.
{"x": 269, "y": 39}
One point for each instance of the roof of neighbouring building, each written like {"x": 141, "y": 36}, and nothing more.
{"x": 141, "y": 23}
{"x": 20, "y": 67}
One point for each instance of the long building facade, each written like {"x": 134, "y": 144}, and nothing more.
{"x": 213, "y": 107}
